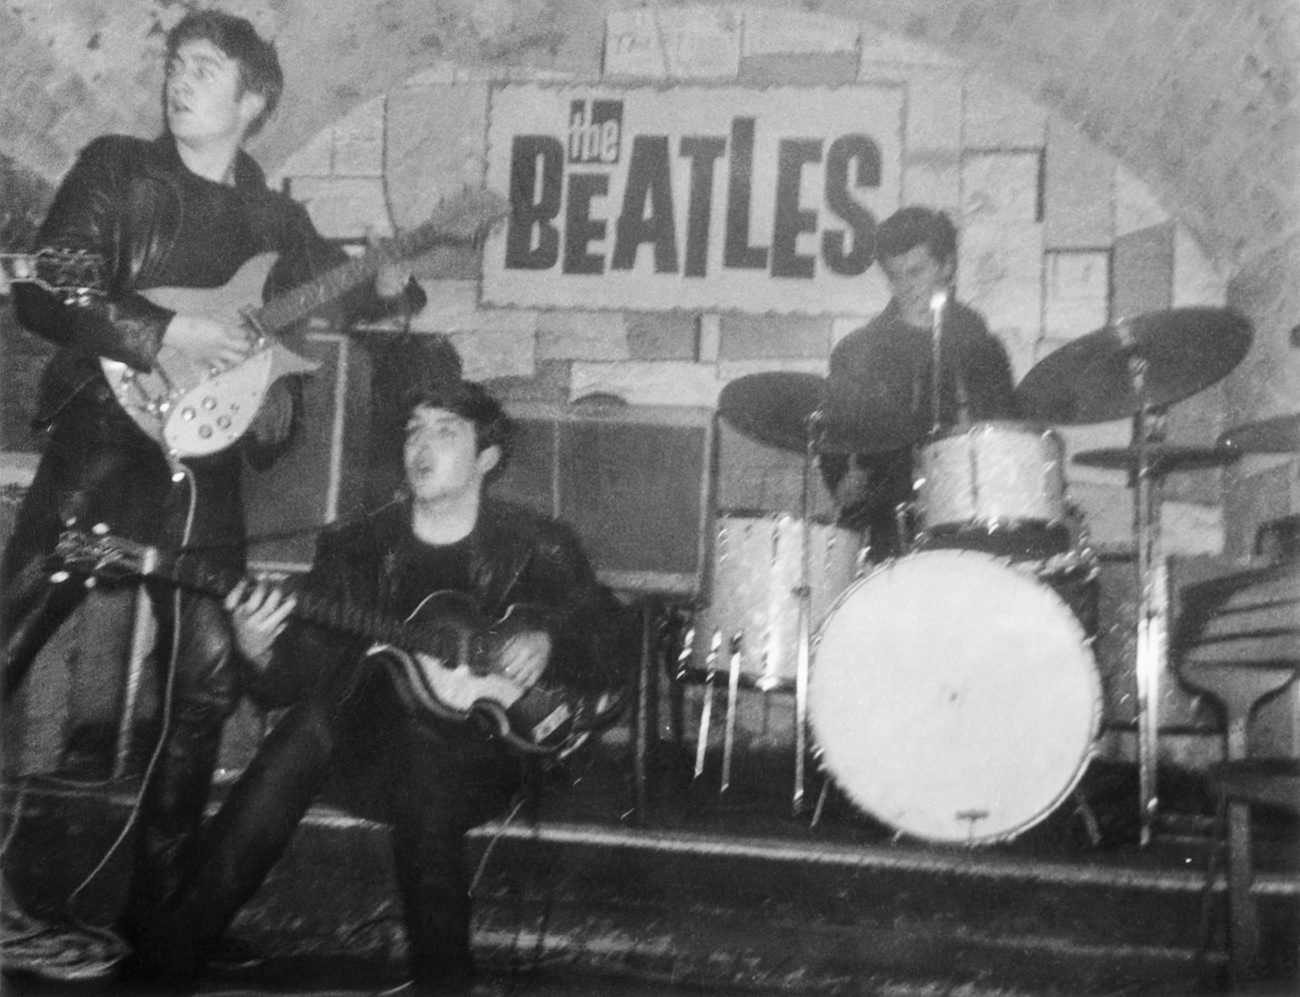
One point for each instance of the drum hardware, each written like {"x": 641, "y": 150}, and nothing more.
{"x": 733, "y": 692}
{"x": 1280, "y": 434}
{"x": 1136, "y": 368}
{"x": 706, "y": 711}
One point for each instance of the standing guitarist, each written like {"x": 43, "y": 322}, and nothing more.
{"x": 183, "y": 211}
{"x": 546, "y": 620}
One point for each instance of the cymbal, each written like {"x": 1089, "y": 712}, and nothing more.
{"x": 1088, "y": 380}
{"x": 1161, "y": 458}
{"x": 1281, "y": 434}
{"x": 773, "y": 407}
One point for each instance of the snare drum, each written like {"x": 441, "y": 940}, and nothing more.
{"x": 994, "y": 475}
{"x": 754, "y": 589}
{"x": 953, "y": 697}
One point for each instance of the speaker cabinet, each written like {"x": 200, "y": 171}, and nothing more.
{"x": 323, "y": 475}
{"x": 635, "y": 482}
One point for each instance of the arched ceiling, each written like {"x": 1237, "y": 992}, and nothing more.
{"x": 1197, "y": 97}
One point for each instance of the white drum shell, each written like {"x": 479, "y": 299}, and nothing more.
{"x": 756, "y": 572}
{"x": 954, "y": 698}
{"x": 994, "y": 474}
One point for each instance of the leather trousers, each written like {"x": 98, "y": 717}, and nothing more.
{"x": 98, "y": 467}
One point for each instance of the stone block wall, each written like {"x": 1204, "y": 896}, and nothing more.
{"x": 1057, "y": 238}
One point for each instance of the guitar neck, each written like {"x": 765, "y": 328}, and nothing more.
{"x": 197, "y": 575}
{"x": 293, "y": 306}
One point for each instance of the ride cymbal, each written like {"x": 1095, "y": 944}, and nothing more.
{"x": 1091, "y": 379}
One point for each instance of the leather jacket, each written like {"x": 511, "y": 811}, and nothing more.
{"x": 516, "y": 558}
{"x": 121, "y": 202}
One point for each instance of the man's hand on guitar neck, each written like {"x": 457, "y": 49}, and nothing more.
{"x": 392, "y": 275}
{"x": 208, "y": 343}
{"x": 258, "y": 615}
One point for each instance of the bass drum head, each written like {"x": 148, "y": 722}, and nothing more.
{"x": 953, "y": 697}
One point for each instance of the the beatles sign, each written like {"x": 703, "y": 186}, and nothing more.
{"x": 707, "y": 198}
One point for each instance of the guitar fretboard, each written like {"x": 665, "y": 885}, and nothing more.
{"x": 349, "y": 618}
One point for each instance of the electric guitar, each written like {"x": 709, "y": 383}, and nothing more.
{"x": 192, "y": 410}
{"x": 444, "y": 657}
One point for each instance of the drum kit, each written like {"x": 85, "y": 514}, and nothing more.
{"x": 950, "y": 693}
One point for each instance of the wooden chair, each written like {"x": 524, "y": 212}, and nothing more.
{"x": 1238, "y": 641}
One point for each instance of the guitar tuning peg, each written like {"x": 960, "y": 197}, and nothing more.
{"x": 100, "y": 529}
{"x": 59, "y": 577}
{"x": 90, "y": 581}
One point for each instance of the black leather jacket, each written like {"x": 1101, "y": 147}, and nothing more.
{"x": 121, "y": 202}
{"x": 517, "y": 558}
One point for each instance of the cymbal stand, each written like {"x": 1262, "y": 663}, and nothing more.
{"x": 803, "y": 592}
{"x": 1153, "y": 603}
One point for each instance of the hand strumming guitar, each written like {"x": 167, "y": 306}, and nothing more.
{"x": 524, "y": 657}
{"x": 207, "y": 342}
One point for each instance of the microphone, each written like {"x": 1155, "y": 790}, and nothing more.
{"x": 938, "y": 300}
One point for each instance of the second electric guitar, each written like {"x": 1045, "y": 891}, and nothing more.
{"x": 444, "y": 657}
{"x": 192, "y": 411}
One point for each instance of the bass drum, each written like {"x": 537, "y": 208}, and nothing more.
{"x": 954, "y": 698}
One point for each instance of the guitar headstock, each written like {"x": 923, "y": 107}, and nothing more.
{"x": 460, "y": 218}
{"x": 66, "y": 271}
{"x": 101, "y": 554}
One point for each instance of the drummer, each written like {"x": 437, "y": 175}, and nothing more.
{"x": 879, "y": 384}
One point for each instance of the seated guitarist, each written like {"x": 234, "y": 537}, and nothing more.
{"x": 351, "y": 723}
{"x": 186, "y": 210}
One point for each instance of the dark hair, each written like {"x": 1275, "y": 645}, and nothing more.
{"x": 259, "y": 65}
{"x": 471, "y": 401}
{"x": 910, "y": 227}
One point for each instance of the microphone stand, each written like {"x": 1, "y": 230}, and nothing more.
{"x": 938, "y": 301}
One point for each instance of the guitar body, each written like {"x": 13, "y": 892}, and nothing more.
{"x": 462, "y": 681}
{"x": 189, "y": 410}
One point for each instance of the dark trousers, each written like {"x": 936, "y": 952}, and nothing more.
{"x": 431, "y": 782}
{"x": 98, "y": 467}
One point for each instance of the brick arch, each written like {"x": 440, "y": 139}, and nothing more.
{"x": 1195, "y": 98}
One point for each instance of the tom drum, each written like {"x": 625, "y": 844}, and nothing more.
{"x": 756, "y": 571}
{"x": 993, "y": 475}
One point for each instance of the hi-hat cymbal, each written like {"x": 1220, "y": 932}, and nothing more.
{"x": 773, "y": 407}
{"x": 1281, "y": 434}
{"x": 1159, "y": 458}
{"x": 1090, "y": 379}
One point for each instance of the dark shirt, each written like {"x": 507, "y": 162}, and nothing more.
{"x": 880, "y": 380}
{"x": 216, "y": 239}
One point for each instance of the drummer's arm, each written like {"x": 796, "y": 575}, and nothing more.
{"x": 846, "y": 479}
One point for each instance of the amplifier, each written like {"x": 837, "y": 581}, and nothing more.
{"x": 317, "y": 480}
{"x": 634, "y": 481}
